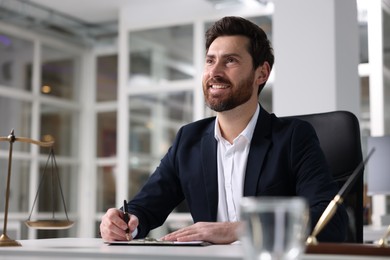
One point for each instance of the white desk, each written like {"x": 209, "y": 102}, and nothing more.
{"x": 94, "y": 248}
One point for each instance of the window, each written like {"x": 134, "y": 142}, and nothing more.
{"x": 106, "y": 78}
{"x": 16, "y": 57}
{"x": 44, "y": 107}
{"x": 154, "y": 122}
{"x": 59, "y": 74}
{"x": 161, "y": 54}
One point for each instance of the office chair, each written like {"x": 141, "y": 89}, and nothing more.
{"x": 339, "y": 136}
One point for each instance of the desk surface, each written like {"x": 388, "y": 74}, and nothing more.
{"x": 94, "y": 248}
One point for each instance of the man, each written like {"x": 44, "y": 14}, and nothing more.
{"x": 243, "y": 151}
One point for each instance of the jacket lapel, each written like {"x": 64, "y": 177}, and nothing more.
{"x": 258, "y": 150}
{"x": 210, "y": 174}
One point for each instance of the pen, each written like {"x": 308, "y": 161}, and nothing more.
{"x": 126, "y": 218}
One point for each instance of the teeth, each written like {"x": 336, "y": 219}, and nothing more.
{"x": 218, "y": 86}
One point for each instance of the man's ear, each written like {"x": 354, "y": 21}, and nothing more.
{"x": 263, "y": 73}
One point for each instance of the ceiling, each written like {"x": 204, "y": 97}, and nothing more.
{"x": 89, "y": 21}
{"x": 101, "y": 11}
{"x": 98, "y": 11}
{"x": 90, "y": 11}
{"x": 85, "y": 21}
{"x": 79, "y": 21}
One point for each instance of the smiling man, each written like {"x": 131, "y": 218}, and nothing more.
{"x": 243, "y": 151}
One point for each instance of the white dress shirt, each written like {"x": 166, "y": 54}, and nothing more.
{"x": 232, "y": 160}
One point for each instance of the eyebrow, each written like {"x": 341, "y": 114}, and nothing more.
{"x": 225, "y": 55}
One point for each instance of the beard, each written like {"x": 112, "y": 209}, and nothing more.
{"x": 241, "y": 93}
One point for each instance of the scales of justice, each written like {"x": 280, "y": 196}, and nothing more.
{"x": 37, "y": 224}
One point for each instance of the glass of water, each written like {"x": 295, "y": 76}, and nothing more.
{"x": 274, "y": 228}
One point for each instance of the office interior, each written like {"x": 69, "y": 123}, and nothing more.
{"x": 112, "y": 88}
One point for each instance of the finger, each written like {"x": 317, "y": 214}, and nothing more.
{"x": 133, "y": 223}
{"x": 181, "y": 230}
{"x": 112, "y": 226}
{"x": 189, "y": 234}
{"x": 110, "y": 232}
{"x": 190, "y": 237}
{"x": 171, "y": 236}
{"x": 178, "y": 233}
{"x": 118, "y": 220}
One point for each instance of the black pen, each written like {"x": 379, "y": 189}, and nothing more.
{"x": 126, "y": 218}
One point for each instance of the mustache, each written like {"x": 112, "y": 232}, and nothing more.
{"x": 218, "y": 80}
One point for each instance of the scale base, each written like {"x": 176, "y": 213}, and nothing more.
{"x": 6, "y": 241}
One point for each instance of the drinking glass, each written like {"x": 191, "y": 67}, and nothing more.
{"x": 274, "y": 228}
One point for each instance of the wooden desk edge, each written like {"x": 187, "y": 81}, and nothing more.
{"x": 348, "y": 249}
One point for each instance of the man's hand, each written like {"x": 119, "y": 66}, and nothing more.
{"x": 113, "y": 227}
{"x": 214, "y": 232}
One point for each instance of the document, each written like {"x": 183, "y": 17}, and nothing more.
{"x": 155, "y": 242}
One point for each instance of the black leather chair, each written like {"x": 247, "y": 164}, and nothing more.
{"x": 339, "y": 135}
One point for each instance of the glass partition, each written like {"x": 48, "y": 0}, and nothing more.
{"x": 16, "y": 57}
{"x": 106, "y": 134}
{"x": 19, "y": 185}
{"x": 15, "y": 115}
{"x": 105, "y": 190}
{"x": 59, "y": 125}
{"x": 161, "y": 54}
{"x": 51, "y": 183}
{"x": 154, "y": 122}
{"x": 59, "y": 73}
{"x": 107, "y": 78}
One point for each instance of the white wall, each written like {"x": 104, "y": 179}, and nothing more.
{"x": 316, "y": 49}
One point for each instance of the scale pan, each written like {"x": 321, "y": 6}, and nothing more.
{"x": 49, "y": 224}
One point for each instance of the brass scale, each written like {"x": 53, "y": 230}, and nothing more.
{"x": 37, "y": 224}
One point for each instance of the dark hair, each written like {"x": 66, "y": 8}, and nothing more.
{"x": 259, "y": 46}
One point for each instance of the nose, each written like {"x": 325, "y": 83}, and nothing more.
{"x": 215, "y": 70}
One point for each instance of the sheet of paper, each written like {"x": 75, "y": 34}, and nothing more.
{"x": 147, "y": 242}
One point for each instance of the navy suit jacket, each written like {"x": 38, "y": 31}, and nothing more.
{"x": 285, "y": 159}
